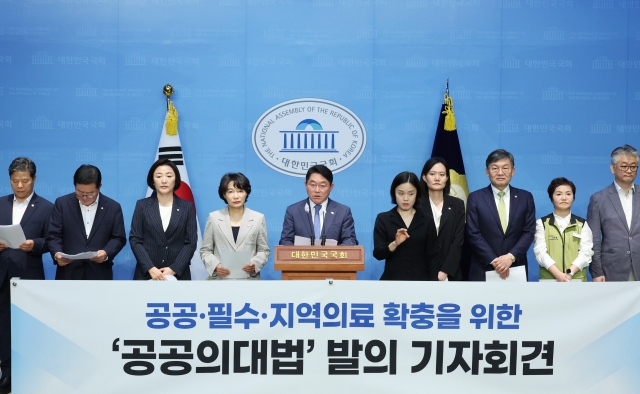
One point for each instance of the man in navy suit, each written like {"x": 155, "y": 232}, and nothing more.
{"x": 501, "y": 221}
{"x": 318, "y": 217}
{"x": 32, "y": 212}
{"x": 86, "y": 221}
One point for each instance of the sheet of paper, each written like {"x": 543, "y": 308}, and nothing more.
{"x": 234, "y": 261}
{"x": 553, "y": 280}
{"x": 301, "y": 241}
{"x": 330, "y": 242}
{"x": 79, "y": 256}
{"x": 12, "y": 235}
{"x": 516, "y": 274}
{"x": 168, "y": 278}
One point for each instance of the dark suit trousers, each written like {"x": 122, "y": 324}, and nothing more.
{"x": 5, "y": 327}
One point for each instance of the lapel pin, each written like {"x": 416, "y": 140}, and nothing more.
{"x": 449, "y": 208}
{"x": 178, "y": 209}
{"x": 332, "y": 212}
{"x": 32, "y": 205}
{"x": 101, "y": 207}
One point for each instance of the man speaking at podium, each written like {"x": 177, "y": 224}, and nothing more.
{"x": 318, "y": 220}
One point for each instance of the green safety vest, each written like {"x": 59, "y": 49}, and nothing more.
{"x": 562, "y": 247}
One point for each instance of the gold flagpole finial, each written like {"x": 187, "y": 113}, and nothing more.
{"x": 171, "y": 122}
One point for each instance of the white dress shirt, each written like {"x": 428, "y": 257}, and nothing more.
{"x": 19, "y": 208}
{"x": 627, "y": 202}
{"x": 585, "y": 250}
{"x": 165, "y": 215}
{"x": 506, "y": 197}
{"x": 89, "y": 214}
{"x": 437, "y": 214}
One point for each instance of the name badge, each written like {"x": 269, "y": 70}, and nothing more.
{"x": 577, "y": 235}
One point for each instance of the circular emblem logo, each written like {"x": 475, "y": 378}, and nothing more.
{"x": 297, "y": 134}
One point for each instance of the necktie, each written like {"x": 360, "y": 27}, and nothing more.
{"x": 502, "y": 212}
{"x": 316, "y": 221}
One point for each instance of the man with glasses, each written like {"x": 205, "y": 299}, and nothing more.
{"x": 86, "y": 221}
{"x": 318, "y": 219}
{"x": 501, "y": 221}
{"x": 614, "y": 218}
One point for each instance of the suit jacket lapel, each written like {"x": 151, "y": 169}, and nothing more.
{"x": 6, "y": 210}
{"x": 100, "y": 213}
{"x": 33, "y": 205}
{"x": 614, "y": 197}
{"x": 74, "y": 208}
{"x": 245, "y": 226}
{"x": 446, "y": 212}
{"x": 329, "y": 216}
{"x": 491, "y": 205}
{"x": 177, "y": 213}
{"x": 305, "y": 213}
{"x": 635, "y": 209}
{"x": 514, "y": 205}
{"x": 224, "y": 224}
{"x": 152, "y": 212}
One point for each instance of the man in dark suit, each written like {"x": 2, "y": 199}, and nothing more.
{"x": 318, "y": 217}
{"x": 614, "y": 219}
{"x": 86, "y": 221}
{"x": 501, "y": 221}
{"x": 32, "y": 212}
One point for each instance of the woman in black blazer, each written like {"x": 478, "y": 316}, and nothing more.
{"x": 404, "y": 237}
{"x": 447, "y": 213}
{"x": 163, "y": 233}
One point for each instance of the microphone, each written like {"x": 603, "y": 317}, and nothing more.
{"x": 322, "y": 234}
{"x": 307, "y": 208}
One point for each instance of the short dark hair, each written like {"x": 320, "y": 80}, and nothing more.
{"x": 322, "y": 170}
{"x": 22, "y": 164}
{"x": 559, "y": 182}
{"x": 164, "y": 162}
{"x": 406, "y": 177}
{"x": 427, "y": 167}
{"x": 499, "y": 154}
{"x": 87, "y": 174}
{"x": 239, "y": 180}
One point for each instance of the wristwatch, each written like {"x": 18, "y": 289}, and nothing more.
{"x": 570, "y": 273}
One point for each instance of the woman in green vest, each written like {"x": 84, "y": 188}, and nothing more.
{"x": 563, "y": 243}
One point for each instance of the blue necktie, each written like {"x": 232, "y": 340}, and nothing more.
{"x": 316, "y": 221}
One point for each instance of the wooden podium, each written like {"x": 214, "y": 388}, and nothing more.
{"x": 319, "y": 262}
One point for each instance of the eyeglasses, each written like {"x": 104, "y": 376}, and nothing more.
{"x": 321, "y": 186}
{"x": 495, "y": 170}
{"x": 85, "y": 195}
{"x": 630, "y": 168}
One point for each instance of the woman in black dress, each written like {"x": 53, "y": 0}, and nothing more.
{"x": 404, "y": 237}
{"x": 447, "y": 215}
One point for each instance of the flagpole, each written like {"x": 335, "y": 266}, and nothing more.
{"x": 168, "y": 91}
{"x": 446, "y": 90}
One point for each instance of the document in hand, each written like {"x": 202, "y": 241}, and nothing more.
{"x": 12, "y": 235}
{"x": 516, "y": 274}
{"x": 79, "y": 256}
{"x": 234, "y": 261}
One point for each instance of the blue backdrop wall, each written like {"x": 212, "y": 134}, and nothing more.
{"x": 556, "y": 82}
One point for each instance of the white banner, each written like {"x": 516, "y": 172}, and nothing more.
{"x": 321, "y": 336}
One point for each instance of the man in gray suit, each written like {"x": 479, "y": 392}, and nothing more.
{"x": 614, "y": 218}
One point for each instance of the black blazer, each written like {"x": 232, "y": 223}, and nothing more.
{"x": 66, "y": 234}
{"x": 450, "y": 237}
{"x": 154, "y": 247}
{"x": 15, "y": 262}
{"x": 411, "y": 259}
